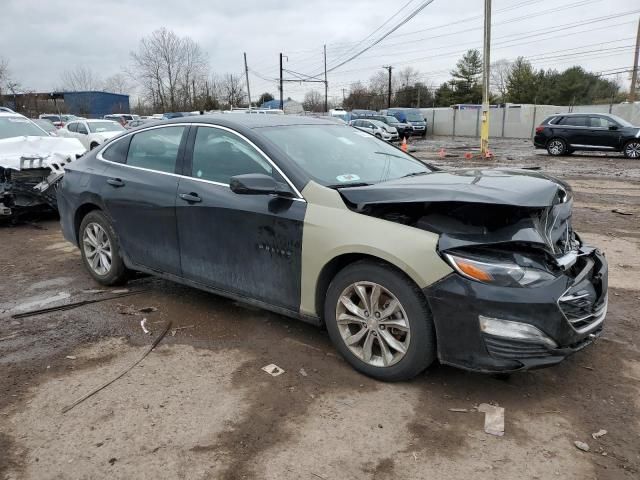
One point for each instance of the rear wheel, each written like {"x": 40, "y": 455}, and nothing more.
{"x": 632, "y": 149}
{"x": 557, "y": 147}
{"x": 379, "y": 321}
{"x": 100, "y": 249}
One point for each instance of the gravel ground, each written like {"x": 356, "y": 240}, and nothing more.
{"x": 199, "y": 406}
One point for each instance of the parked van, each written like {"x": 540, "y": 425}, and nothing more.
{"x": 412, "y": 116}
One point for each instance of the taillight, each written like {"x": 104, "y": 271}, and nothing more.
{"x": 539, "y": 129}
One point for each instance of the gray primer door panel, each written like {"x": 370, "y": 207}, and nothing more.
{"x": 246, "y": 244}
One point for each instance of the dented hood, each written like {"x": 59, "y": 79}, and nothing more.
{"x": 521, "y": 188}
{"x": 24, "y": 152}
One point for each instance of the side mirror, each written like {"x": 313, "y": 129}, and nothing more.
{"x": 613, "y": 127}
{"x": 258, "y": 184}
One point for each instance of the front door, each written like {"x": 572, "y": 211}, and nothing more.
{"x": 141, "y": 196}
{"x": 248, "y": 245}
{"x": 603, "y": 133}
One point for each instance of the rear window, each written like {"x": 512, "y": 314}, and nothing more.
{"x": 156, "y": 149}
{"x": 117, "y": 151}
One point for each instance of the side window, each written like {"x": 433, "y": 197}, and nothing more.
{"x": 73, "y": 127}
{"x": 117, "y": 151}
{"x": 156, "y": 149}
{"x": 82, "y": 128}
{"x": 577, "y": 121}
{"x": 601, "y": 122}
{"x": 218, "y": 155}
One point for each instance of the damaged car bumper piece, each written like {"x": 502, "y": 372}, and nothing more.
{"x": 492, "y": 328}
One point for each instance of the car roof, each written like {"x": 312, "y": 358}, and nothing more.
{"x": 11, "y": 114}
{"x": 251, "y": 121}
{"x": 575, "y": 114}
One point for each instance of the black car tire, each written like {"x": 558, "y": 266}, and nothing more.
{"x": 557, "y": 147}
{"x": 118, "y": 274}
{"x": 632, "y": 149}
{"x": 93, "y": 145}
{"x": 378, "y": 136}
{"x": 421, "y": 351}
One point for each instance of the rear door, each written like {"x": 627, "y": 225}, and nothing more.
{"x": 249, "y": 245}
{"x": 141, "y": 195}
{"x": 574, "y": 129}
{"x": 82, "y": 133}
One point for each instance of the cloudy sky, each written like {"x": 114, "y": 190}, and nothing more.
{"x": 43, "y": 39}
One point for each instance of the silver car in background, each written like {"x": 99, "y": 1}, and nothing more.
{"x": 376, "y": 128}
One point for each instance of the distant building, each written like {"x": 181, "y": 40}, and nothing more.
{"x": 290, "y": 106}
{"x": 90, "y": 104}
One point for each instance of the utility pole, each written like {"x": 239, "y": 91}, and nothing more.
{"x": 484, "y": 132}
{"x": 326, "y": 84}
{"x": 389, "y": 68}
{"x": 634, "y": 74}
{"x": 343, "y": 95}
{"x": 246, "y": 73}
{"x": 281, "y": 93}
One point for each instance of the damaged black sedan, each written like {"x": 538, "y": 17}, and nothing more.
{"x": 401, "y": 262}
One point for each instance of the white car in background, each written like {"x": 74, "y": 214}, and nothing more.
{"x": 91, "y": 133}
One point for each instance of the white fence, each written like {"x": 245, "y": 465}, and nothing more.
{"x": 513, "y": 121}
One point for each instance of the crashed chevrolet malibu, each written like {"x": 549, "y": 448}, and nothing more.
{"x": 31, "y": 165}
{"x": 401, "y": 262}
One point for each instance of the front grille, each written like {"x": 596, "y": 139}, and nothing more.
{"x": 514, "y": 350}
{"x": 582, "y": 312}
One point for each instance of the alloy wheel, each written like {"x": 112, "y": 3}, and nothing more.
{"x": 97, "y": 248}
{"x": 632, "y": 150}
{"x": 373, "y": 324}
{"x": 556, "y": 147}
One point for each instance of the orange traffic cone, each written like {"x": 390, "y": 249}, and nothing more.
{"x": 404, "y": 144}
{"x": 442, "y": 153}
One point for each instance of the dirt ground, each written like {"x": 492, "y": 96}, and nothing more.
{"x": 199, "y": 406}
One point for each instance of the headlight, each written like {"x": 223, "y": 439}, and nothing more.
{"x": 500, "y": 272}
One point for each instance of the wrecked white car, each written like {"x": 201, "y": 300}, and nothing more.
{"x": 31, "y": 164}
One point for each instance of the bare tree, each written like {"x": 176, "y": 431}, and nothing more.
{"x": 498, "y": 80}
{"x": 313, "y": 101}
{"x": 232, "y": 90}
{"x": 118, "y": 83}
{"x": 407, "y": 77}
{"x": 80, "y": 79}
{"x": 169, "y": 68}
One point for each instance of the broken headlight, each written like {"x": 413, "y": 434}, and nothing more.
{"x": 502, "y": 270}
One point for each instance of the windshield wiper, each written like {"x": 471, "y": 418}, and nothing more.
{"x": 346, "y": 185}
{"x": 414, "y": 174}
{"x": 390, "y": 154}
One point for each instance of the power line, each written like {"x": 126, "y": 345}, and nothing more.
{"x": 385, "y": 35}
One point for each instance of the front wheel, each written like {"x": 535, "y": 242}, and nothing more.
{"x": 379, "y": 321}
{"x": 100, "y": 250}
{"x": 632, "y": 149}
{"x": 557, "y": 147}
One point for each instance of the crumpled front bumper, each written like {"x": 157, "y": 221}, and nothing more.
{"x": 570, "y": 311}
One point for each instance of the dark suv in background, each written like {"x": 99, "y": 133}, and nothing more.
{"x": 564, "y": 133}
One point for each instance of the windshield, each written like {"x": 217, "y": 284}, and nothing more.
{"x": 391, "y": 120}
{"x": 106, "y": 126}
{"x": 335, "y": 155}
{"x": 19, "y": 127}
{"x": 621, "y": 121}
{"x": 414, "y": 116}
